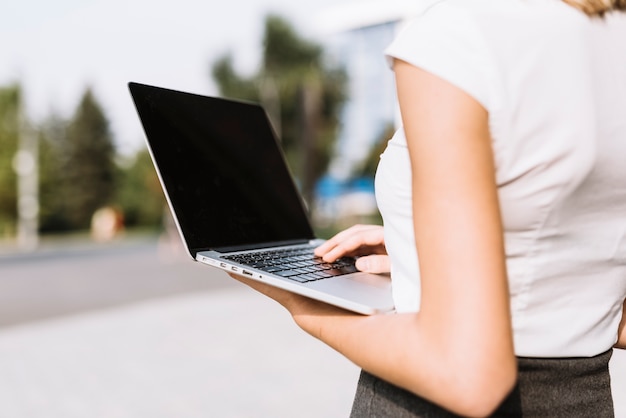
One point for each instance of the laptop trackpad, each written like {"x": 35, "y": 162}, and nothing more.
{"x": 345, "y": 285}
{"x": 378, "y": 280}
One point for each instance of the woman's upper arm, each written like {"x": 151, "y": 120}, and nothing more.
{"x": 458, "y": 230}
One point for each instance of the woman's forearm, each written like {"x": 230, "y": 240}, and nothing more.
{"x": 458, "y": 367}
{"x": 467, "y": 377}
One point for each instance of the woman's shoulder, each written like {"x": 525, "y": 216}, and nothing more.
{"x": 494, "y": 13}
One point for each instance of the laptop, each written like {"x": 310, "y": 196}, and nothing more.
{"x": 235, "y": 203}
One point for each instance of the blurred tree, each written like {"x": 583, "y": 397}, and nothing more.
{"x": 139, "y": 193}
{"x": 53, "y": 159}
{"x": 90, "y": 171}
{"x": 230, "y": 83}
{"x": 78, "y": 168}
{"x": 9, "y": 138}
{"x": 301, "y": 93}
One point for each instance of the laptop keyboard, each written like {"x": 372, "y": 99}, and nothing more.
{"x": 299, "y": 264}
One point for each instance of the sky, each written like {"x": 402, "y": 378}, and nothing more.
{"x": 56, "y": 49}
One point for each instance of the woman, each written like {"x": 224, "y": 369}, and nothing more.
{"x": 507, "y": 178}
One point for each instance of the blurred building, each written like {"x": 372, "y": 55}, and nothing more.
{"x": 356, "y": 35}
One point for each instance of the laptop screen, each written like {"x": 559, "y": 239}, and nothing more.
{"x": 222, "y": 168}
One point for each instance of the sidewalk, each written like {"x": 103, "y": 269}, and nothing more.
{"x": 225, "y": 353}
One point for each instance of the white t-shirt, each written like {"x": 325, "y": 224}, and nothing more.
{"x": 554, "y": 84}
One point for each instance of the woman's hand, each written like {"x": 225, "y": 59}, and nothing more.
{"x": 364, "y": 241}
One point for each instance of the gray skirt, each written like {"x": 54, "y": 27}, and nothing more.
{"x": 554, "y": 388}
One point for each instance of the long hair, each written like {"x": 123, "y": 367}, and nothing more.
{"x": 597, "y": 7}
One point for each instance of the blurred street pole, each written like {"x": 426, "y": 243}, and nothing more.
{"x": 26, "y": 166}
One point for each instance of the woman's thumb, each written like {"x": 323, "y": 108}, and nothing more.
{"x": 374, "y": 264}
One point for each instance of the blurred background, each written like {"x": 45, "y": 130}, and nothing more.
{"x": 73, "y": 156}
{"x": 101, "y": 312}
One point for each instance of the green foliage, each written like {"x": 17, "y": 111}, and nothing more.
{"x": 9, "y": 138}
{"x": 91, "y": 154}
{"x": 139, "y": 194}
{"x": 301, "y": 93}
{"x": 78, "y": 174}
{"x": 52, "y": 190}
{"x": 230, "y": 83}
{"x": 77, "y": 168}
{"x": 284, "y": 49}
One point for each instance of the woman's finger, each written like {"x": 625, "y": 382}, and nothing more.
{"x": 340, "y": 237}
{"x": 358, "y": 240}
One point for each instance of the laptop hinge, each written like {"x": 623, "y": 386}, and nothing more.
{"x": 234, "y": 248}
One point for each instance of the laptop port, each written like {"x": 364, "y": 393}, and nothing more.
{"x": 247, "y": 273}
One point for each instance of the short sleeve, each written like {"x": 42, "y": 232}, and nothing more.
{"x": 446, "y": 41}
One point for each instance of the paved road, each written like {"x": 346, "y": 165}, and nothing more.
{"x": 125, "y": 331}
{"x": 70, "y": 276}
